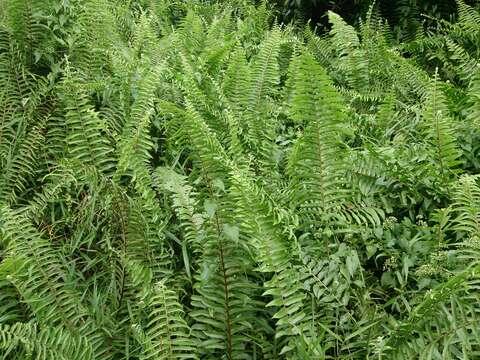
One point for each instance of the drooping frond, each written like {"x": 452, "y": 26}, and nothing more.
{"x": 23, "y": 340}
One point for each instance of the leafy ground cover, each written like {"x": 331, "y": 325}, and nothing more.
{"x": 196, "y": 180}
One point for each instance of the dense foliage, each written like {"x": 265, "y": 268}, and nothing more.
{"x": 405, "y": 17}
{"x": 189, "y": 180}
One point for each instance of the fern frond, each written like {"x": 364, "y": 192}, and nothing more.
{"x": 218, "y": 41}
{"x": 43, "y": 284}
{"x": 209, "y": 154}
{"x": 236, "y": 80}
{"x": 86, "y": 138}
{"x": 223, "y": 307}
{"x": 167, "y": 335}
{"x": 200, "y": 92}
{"x": 11, "y": 308}
{"x": 469, "y": 18}
{"x": 344, "y": 36}
{"x": 135, "y": 143}
{"x": 473, "y": 110}
{"x": 185, "y": 204}
{"x": 23, "y": 18}
{"x": 20, "y": 169}
{"x": 264, "y": 79}
{"x": 465, "y": 64}
{"x": 28, "y": 340}
{"x": 443, "y": 325}
{"x": 315, "y": 164}
{"x": 89, "y": 48}
{"x": 466, "y": 206}
{"x": 274, "y": 257}
{"x": 439, "y": 133}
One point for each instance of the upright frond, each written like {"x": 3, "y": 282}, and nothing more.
{"x": 439, "y": 132}
{"x": 315, "y": 164}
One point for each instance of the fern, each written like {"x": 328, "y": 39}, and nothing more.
{"x": 465, "y": 205}
{"x": 85, "y": 140}
{"x": 167, "y": 334}
{"x": 56, "y": 302}
{"x": 314, "y": 166}
{"x": 439, "y": 132}
{"x": 195, "y": 180}
{"x": 27, "y": 340}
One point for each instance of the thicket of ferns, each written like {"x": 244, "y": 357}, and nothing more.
{"x": 183, "y": 180}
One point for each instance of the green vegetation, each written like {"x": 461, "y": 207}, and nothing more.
{"x": 196, "y": 180}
